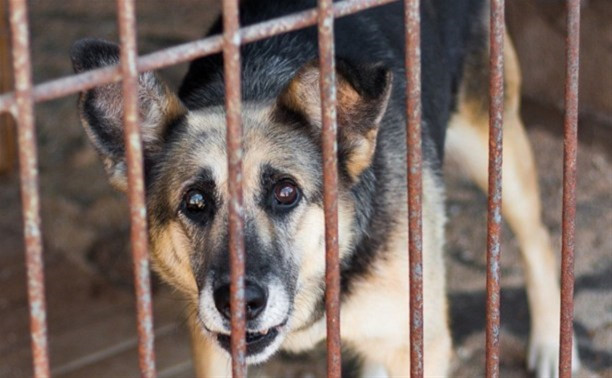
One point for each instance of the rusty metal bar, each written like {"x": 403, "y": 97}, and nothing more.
{"x": 494, "y": 219}
{"x": 231, "y": 68}
{"x": 182, "y": 53}
{"x": 136, "y": 190}
{"x": 570, "y": 151}
{"x": 28, "y": 174}
{"x": 415, "y": 190}
{"x": 329, "y": 141}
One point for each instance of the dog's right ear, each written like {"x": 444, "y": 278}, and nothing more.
{"x": 363, "y": 92}
{"x": 101, "y": 109}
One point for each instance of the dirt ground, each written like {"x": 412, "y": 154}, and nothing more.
{"x": 85, "y": 226}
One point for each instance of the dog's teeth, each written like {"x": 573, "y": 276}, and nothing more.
{"x": 265, "y": 331}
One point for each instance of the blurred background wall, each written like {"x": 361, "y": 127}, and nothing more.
{"x": 538, "y": 30}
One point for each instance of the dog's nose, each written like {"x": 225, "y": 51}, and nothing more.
{"x": 254, "y": 295}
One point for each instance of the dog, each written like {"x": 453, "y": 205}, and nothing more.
{"x": 185, "y": 162}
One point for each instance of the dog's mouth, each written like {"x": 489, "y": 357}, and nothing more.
{"x": 256, "y": 342}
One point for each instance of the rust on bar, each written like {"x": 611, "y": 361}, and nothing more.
{"x": 28, "y": 174}
{"x": 412, "y": 22}
{"x": 232, "y": 72}
{"x": 494, "y": 220}
{"x": 182, "y": 53}
{"x": 65, "y": 86}
{"x": 570, "y": 151}
{"x": 329, "y": 143}
{"x": 136, "y": 189}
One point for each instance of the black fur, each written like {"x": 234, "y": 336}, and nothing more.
{"x": 88, "y": 53}
{"x": 374, "y": 36}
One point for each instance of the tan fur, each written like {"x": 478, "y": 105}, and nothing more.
{"x": 374, "y": 317}
{"x": 362, "y": 154}
{"x": 467, "y": 142}
{"x": 310, "y": 237}
{"x": 379, "y": 330}
{"x": 173, "y": 107}
{"x": 170, "y": 250}
{"x": 386, "y": 340}
{"x": 383, "y": 341}
{"x": 208, "y": 359}
{"x": 302, "y": 95}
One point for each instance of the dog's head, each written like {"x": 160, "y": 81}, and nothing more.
{"x": 186, "y": 176}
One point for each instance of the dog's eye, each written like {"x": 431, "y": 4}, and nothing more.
{"x": 198, "y": 205}
{"x": 194, "y": 201}
{"x": 286, "y": 193}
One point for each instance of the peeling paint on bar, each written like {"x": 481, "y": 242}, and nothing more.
{"x": 329, "y": 142}
{"x": 570, "y": 142}
{"x": 415, "y": 190}
{"x": 231, "y": 62}
{"x": 23, "y": 110}
{"x": 494, "y": 219}
{"x": 136, "y": 190}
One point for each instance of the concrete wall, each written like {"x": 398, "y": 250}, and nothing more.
{"x": 538, "y": 29}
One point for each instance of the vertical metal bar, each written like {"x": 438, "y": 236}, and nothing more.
{"x": 136, "y": 189}
{"x": 414, "y": 161}
{"x": 496, "y": 113}
{"x": 330, "y": 184}
{"x": 231, "y": 63}
{"x": 28, "y": 173}
{"x": 570, "y": 144}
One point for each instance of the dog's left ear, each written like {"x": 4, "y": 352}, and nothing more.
{"x": 101, "y": 109}
{"x": 362, "y": 92}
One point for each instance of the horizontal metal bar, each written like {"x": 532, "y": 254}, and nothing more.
{"x": 183, "y": 53}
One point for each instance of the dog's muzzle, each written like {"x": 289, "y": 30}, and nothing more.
{"x": 266, "y": 312}
{"x": 256, "y": 342}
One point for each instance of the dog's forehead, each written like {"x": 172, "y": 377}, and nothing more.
{"x": 265, "y": 142}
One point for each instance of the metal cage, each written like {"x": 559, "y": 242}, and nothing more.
{"x": 20, "y": 104}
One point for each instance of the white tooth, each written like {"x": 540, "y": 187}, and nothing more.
{"x": 265, "y": 331}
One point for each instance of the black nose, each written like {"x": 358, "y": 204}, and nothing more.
{"x": 255, "y": 298}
